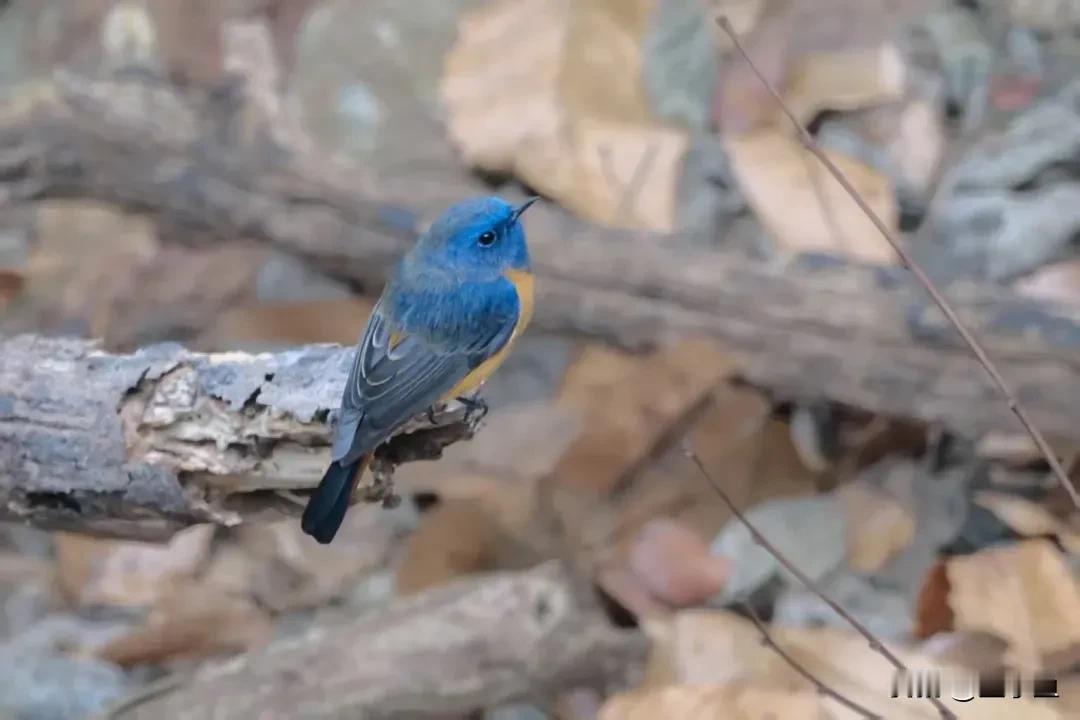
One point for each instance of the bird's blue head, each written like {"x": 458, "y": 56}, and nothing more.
{"x": 483, "y": 234}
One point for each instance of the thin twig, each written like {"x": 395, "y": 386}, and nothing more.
{"x": 875, "y": 643}
{"x": 939, "y": 299}
{"x": 818, "y": 684}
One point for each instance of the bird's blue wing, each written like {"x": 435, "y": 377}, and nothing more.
{"x": 398, "y": 372}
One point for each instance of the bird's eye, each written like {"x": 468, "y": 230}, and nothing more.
{"x": 486, "y": 239}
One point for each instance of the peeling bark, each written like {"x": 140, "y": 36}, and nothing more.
{"x": 142, "y": 444}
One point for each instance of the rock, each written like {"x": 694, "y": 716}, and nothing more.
{"x": 680, "y": 62}
{"x": 39, "y": 682}
{"x": 1013, "y": 202}
{"x": 365, "y": 82}
{"x": 885, "y": 611}
{"x": 810, "y": 531}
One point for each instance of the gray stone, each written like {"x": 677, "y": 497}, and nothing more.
{"x": 285, "y": 278}
{"x": 681, "y": 63}
{"x": 810, "y": 531}
{"x": 366, "y": 82}
{"x": 39, "y": 682}
{"x": 887, "y": 613}
{"x": 1013, "y": 202}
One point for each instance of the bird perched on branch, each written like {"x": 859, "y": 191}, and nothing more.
{"x": 444, "y": 323}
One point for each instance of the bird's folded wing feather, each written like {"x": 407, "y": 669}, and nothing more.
{"x": 397, "y": 375}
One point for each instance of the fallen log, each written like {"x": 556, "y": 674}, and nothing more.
{"x": 469, "y": 645}
{"x": 818, "y": 327}
{"x": 140, "y": 445}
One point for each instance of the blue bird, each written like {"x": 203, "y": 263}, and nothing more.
{"x": 444, "y": 323}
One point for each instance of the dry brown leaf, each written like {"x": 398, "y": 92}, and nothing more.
{"x": 108, "y": 272}
{"x": 603, "y": 49}
{"x": 933, "y": 614}
{"x": 1029, "y": 519}
{"x": 624, "y": 174}
{"x": 523, "y": 445}
{"x": 674, "y": 564}
{"x": 844, "y": 79}
{"x": 1024, "y": 593}
{"x": 749, "y": 452}
{"x": 911, "y": 135}
{"x": 981, "y": 652}
{"x": 292, "y": 323}
{"x": 821, "y": 55}
{"x": 231, "y": 570}
{"x": 1018, "y": 450}
{"x": 563, "y": 108}
{"x": 668, "y": 566}
{"x": 497, "y": 108}
{"x": 783, "y": 181}
{"x": 703, "y": 648}
{"x": 457, "y": 537}
{"x": 742, "y": 14}
{"x": 626, "y": 589}
{"x": 629, "y": 404}
{"x": 189, "y": 35}
{"x": 736, "y": 701}
{"x": 12, "y": 283}
{"x": 1069, "y": 690}
{"x": 290, "y": 572}
{"x": 81, "y": 249}
{"x": 742, "y": 101}
{"x": 101, "y": 572}
{"x": 879, "y": 526}
{"x": 191, "y": 621}
{"x": 175, "y": 288}
{"x": 1014, "y": 448}
{"x": 918, "y": 145}
{"x": 1059, "y": 282}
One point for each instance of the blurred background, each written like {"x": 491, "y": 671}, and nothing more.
{"x": 237, "y": 175}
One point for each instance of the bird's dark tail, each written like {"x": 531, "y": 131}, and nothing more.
{"x": 326, "y": 507}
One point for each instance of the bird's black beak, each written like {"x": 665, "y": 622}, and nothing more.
{"x": 524, "y": 206}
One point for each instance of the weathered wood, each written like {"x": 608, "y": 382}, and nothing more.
{"x": 473, "y": 644}
{"x": 139, "y": 445}
{"x": 864, "y": 336}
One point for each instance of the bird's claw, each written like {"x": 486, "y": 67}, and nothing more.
{"x": 474, "y": 405}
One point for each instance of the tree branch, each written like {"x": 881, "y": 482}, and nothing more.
{"x": 820, "y": 685}
{"x": 875, "y": 644}
{"x": 139, "y": 445}
{"x": 819, "y": 327}
{"x": 946, "y": 307}
{"x": 475, "y": 643}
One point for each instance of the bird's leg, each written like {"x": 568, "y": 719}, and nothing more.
{"x": 475, "y": 404}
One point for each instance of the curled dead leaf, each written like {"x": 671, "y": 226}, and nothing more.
{"x": 709, "y": 649}
{"x": 95, "y": 571}
{"x": 563, "y": 107}
{"x": 1029, "y": 519}
{"x": 457, "y": 537}
{"x": 191, "y": 621}
{"x": 675, "y": 565}
{"x": 933, "y": 614}
{"x": 1024, "y": 593}
{"x": 879, "y": 526}
{"x": 630, "y": 403}
{"x": 802, "y": 206}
